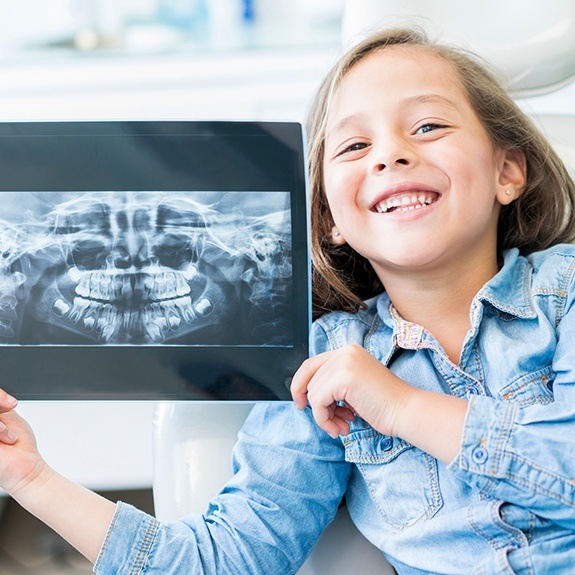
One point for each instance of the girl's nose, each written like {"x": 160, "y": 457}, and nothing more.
{"x": 395, "y": 152}
{"x": 380, "y": 166}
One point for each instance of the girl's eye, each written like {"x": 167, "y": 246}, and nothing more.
{"x": 429, "y": 128}
{"x": 355, "y": 147}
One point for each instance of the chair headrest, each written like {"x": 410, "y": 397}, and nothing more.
{"x": 530, "y": 42}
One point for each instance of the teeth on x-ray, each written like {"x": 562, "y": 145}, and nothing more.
{"x": 131, "y": 268}
{"x": 115, "y": 285}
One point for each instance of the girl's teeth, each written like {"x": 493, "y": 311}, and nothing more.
{"x": 405, "y": 203}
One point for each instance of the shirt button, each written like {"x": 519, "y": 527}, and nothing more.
{"x": 479, "y": 455}
{"x": 386, "y": 444}
{"x": 470, "y": 391}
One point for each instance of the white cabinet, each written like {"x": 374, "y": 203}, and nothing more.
{"x": 261, "y": 85}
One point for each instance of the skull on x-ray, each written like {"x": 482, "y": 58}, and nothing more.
{"x": 148, "y": 268}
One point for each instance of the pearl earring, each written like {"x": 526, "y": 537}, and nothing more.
{"x": 336, "y": 238}
{"x": 507, "y": 192}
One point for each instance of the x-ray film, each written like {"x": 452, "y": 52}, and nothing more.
{"x": 151, "y": 260}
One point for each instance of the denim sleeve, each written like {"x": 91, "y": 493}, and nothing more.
{"x": 523, "y": 455}
{"x": 289, "y": 479}
{"x": 526, "y": 454}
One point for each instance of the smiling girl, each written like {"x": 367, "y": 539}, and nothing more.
{"x": 443, "y": 368}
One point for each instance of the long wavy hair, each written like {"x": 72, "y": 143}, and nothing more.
{"x": 542, "y": 215}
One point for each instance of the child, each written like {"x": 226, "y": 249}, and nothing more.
{"x": 449, "y": 395}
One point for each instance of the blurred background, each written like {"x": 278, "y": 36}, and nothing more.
{"x": 163, "y": 59}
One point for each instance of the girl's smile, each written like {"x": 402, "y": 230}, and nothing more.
{"x": 405, "y": 197}
{"x": 411, "y": 177}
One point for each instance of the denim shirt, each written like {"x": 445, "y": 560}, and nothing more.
{"x": 505, "y": 504}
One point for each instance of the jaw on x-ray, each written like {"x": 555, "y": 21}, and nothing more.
{"x": 145, "y": 268}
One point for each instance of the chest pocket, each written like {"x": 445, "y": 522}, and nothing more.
{"x": 402, "y": 480}
{"x": 535, "y": 387}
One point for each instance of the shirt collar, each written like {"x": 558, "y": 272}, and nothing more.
{"x": 508, "y": 291}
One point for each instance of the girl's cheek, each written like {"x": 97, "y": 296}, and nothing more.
{"x": 338, "y": 181}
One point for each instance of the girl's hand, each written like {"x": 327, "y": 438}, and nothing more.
{"x": 352, "y": 376}
{"x": 80, "y": 516}
{"x": 429, "y": 420}
{"x": 7, "y": 404}
{"x": 20, "y": 462}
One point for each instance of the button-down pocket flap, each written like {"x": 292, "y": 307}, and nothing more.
{"x": 369, "y": 446}
{"x": 535, "y": 387}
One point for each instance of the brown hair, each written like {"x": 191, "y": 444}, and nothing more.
{"x": 539, "y": 218}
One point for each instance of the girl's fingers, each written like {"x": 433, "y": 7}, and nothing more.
{"x": 344, "y": 413}
{"x": 334, "y": 420}
{"x": 6, "y": 435}
{"x": 324, "y": 417}
{"x": 307, "y": 388}
{"x": 7, "y": 402}
{"x": 303, "y": 376}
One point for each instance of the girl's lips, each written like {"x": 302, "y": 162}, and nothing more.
{"x": 404, "y": 201}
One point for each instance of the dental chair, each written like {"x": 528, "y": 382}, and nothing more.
{"x": 191, "y": 451}
{"x": 532, "y": 44}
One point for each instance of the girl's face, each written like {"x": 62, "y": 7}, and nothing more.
{"x": 411, "y": 177}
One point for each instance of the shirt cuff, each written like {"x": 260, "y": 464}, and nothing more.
{"x": 486, "y": 432}
{"x": 128, "y": 542}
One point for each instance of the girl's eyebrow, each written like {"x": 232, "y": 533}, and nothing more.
{"x": 344, "y": 122}
{"x": 430, "y": 98}
{"x": 410, "y": 101}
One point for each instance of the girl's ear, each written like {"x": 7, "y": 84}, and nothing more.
{"x": 512, "y": 176}
{"x": 335, "y": 237}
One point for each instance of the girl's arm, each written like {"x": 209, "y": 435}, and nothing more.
{"x": 523, "y": 454}
{"x": 77, "y": 514}
{"x": 524, "y": 451}
{"x": 264, "y": 520}
{"x": 431, "y": 421}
